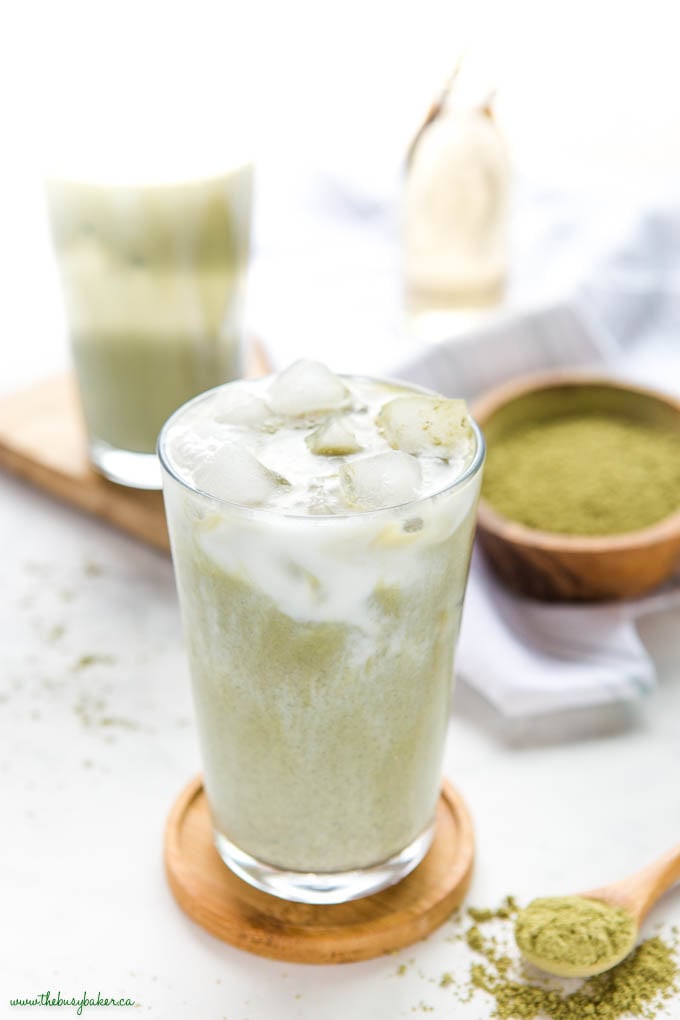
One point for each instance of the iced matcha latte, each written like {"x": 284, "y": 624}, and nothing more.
{"x": 321, "y": 530}
{"x": 153, "y": 277}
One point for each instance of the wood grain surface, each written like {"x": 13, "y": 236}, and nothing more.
{"x": 42, "y": 440}
{"x": 235, "y": 912}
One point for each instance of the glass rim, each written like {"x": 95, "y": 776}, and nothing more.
{"x": 57, "y": 176}
{"x": 256, "y": 512}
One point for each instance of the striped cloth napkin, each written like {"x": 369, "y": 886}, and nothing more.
{"x": 531, "y": 659}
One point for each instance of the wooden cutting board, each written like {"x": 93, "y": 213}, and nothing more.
{"x": 42, "y": 440}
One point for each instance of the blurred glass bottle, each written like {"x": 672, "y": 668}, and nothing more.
{"x": 455, "y": 215}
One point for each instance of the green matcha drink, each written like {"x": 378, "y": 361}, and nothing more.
{"x": 321, "y": 529}
{"x": 153, "y": 278}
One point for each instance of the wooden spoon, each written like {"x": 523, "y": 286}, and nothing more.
{"x": 635, "y": 894}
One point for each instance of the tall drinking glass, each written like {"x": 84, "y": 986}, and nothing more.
{"x": 153, "y": 277}
{"x": 321, "y": 649}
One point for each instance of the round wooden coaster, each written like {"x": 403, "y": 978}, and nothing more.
{"x": 235, "y": 912}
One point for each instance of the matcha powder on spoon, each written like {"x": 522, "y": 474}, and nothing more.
{"x": 641, "y": 986}
{"x": 585, "y": 474}
{"x": 574, "y": 932}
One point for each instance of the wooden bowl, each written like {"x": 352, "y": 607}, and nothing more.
{"x": 551, "y": 566}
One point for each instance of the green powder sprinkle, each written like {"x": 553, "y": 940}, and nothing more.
{"x": 639, "y": 987}
{"x": 474, "y": 939}
{"x": 488, "y": 947}
{"x": 85, "y": 661}
{"x": 584, "y": 474}
{"x": 482, "y": 915}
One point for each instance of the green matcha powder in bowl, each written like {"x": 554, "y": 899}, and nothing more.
{"x": 585, "y": 474}
{"x": 581, "y": 493}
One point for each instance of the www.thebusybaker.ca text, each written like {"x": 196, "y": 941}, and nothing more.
{"x": 48, "y": 999}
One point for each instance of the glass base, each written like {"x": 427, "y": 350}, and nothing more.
{"x": 319, "y": 887}
{"x": 136, "y": 470}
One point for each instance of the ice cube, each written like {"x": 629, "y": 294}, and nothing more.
{"x": 333, "y": 438}
{"x": 306, "y": 387}
{"x": 380, "y": 480}
{"x": 233, "y": 473}
{"x": 192, "y": 445}
{"x": 429, "y": 426}
{"x": 237, "y": 406}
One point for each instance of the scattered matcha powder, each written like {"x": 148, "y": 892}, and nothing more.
{"x": 507, "y": 909}
{"x": 638, "y": 987}
{"x": 473, "y": 937}
{"x": 489, "y": 948}
{"x": 120, "y": 721}
{"x": 93, "y": 660}
{"x": 92, "y": 713}
{"x": 480, "y": 915}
